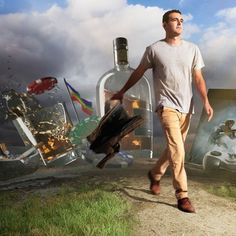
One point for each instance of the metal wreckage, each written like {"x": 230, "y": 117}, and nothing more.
{"x": 50, "y": 138}
{"x": 222, "y": 148}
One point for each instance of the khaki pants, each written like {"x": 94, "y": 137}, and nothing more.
{"x": 175, "y": 125}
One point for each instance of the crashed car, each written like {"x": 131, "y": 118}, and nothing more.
{"x": 221, "y": 156}
{"x": 214, "y": 160}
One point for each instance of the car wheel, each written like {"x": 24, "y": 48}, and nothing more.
{"x": 210, "y": 162}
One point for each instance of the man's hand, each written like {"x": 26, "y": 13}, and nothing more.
{"x": 133, "y": 79}
{"x": 201, "y": 88}
{"x": 208, "y": 110}
{"x": 118, "y": 96}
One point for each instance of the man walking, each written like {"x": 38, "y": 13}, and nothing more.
{"x": 175, "y": 64}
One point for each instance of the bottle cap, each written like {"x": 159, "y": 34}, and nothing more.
{"x": 120, "y": 43}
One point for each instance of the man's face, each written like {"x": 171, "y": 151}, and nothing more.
{"x": 174, "y": 26}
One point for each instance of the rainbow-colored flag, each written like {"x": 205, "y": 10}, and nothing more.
{"x": 86, "y": 105}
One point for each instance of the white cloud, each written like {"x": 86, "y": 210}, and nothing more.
{"x": 228, "y": 13}
{"x": 76, "y": 42}
{"x": 188, "y": 17}
{"x": 190, "y": 29}
{"x": 181, "y": 2}
{"x": 91, "y": 8}
{"x": 218, "y": 44}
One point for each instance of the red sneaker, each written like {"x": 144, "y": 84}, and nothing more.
{"x": 185, "y": 205}
{"x": 154, "y": 184}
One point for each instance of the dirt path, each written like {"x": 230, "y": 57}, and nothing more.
{"x": 156, "y": 215}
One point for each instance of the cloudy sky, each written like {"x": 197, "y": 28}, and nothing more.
{"x": 72, "y": 39}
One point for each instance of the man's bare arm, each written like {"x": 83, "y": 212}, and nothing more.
{"x": 202, "y": 90}
{"x": 133, "y": 79}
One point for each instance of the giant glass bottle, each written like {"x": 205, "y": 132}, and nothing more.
{"x": 137, "y": 100}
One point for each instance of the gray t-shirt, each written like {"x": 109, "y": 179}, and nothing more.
{"x": 172, "y": 68}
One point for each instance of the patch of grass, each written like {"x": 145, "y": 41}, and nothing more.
{"x": 226, "y": 190}
{"x": 68, "y": 212}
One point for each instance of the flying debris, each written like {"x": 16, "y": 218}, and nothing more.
{"x": 113, "y": 126}
{"x": 81, "y": 130}
{"x": 16, "y": 104}
{"x": 42, "y": 85}
{"x": 43, "y": 130}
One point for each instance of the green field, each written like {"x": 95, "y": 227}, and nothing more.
{"x": 69, "y": 211}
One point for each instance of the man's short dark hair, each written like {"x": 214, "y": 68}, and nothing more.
{"x": 165, "y": 17}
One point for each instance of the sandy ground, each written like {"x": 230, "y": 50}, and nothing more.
{"x": 156, "y": 215}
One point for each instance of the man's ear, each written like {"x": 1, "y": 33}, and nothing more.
{"x": 164, "y": 25}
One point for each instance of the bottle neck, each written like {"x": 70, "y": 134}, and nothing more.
{"x": 121, "y": 59}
